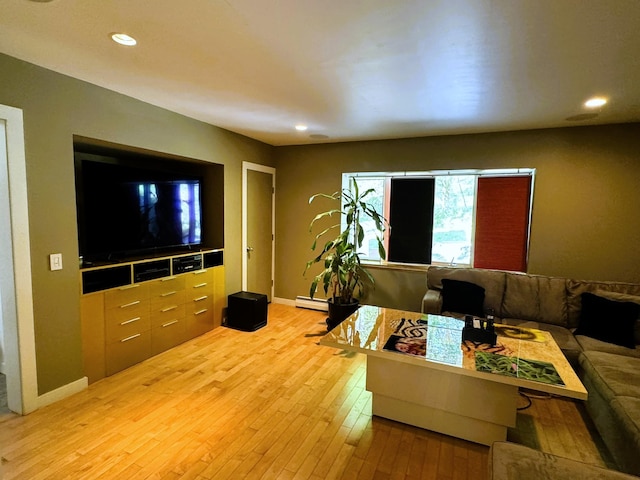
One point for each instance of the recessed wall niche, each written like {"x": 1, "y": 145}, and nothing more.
{"x": 133, "y": 203}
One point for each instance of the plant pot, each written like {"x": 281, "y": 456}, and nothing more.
{"x": 340, "y": 311}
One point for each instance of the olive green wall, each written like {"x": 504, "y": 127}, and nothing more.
{"x": 584, "y": 212}
{"x": 585, "y": 205}
{"x": 56, "y": 107}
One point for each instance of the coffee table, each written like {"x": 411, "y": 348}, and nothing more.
{"x": 441, "y": 390}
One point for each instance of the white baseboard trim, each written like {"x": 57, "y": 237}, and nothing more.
{"x": 304, "y": 302}
{"x": 63, "y": 392}
{"x": 284, "y": 301}
{"x": 312, "y": 303}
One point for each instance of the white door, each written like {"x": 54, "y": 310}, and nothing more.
{"x": 258, "y": 232}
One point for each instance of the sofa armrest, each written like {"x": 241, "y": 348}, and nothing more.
{"x": 432, "y": 301}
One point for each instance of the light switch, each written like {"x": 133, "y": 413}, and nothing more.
{"x": 55, "y": 261}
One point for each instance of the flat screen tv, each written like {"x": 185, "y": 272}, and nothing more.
{"x": 128, "y": 209}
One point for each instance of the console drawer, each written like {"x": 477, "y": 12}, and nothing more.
{"x": 168, "y": 335}
{"x": 199, "y": 314}
{"x": 199, "y": 321}
{"x": 127, "y": 328}
{"x": 168, "y": 299}
{"x": 199, "y": 303}
{"x": 128, "y": 351}
{"x": 162, "y": 286}
{"x": 201, "y": 279}
{"x": 130, "y": 311}
{"x": 167, "y": 314}
{"x": 123, "y": 296}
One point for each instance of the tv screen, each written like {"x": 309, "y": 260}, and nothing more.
{"x": 125, "y": 211}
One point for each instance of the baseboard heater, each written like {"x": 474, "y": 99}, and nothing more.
{"x": 312, "y": 303}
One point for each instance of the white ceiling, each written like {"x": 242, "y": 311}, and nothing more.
{"x": 349, "y": 69}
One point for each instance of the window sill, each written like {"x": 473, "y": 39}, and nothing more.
{"x": 416, "y": 267}
{"x": 409, "y": 267}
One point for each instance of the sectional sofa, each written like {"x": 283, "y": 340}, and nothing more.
{"x": 510, "y": 461}
{"x": 596, "y": 324}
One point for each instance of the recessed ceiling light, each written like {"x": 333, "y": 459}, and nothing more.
{"x": 301, "y": 128}
{"x": 123, "y": 39}
{"x": 595, "y": 102}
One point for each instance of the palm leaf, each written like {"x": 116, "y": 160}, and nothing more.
{"x": 342, "y": 271}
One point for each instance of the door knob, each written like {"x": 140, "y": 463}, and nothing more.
{"x": 249, "y": 249}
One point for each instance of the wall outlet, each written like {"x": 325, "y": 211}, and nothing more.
{"x": 55, "y": 261}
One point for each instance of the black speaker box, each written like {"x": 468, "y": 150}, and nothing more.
{"x": 247, "y": 311}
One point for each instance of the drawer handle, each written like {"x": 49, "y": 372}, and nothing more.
{"x": 168, "y": 294}
{"x": 130, "y": 321}
{"x": 170, "y": 323}
{"x": 200, "y": 285}
{"x": 167, "y": 279}
{"x": 199, "y": 272}
{"x": 199, "y": 299}
{"x": 200, "y": 312}
{"x": 130, "y": 304}
{"x": 168, "y": 309}
{"x": 130, "y": 338}
{"x": 128, "y": 287}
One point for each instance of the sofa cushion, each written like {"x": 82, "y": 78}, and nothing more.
{"x": 592, "y": 344}
{"x": 575, "y": 288}
{"x": 608, "y": 320}
{"x": 462, "y": 297}
{"x": 624, "y": 297}
{"x": 535, "y": 297}
{"x": 612, "y": 375}
{"x": 491, "y": 280}
{"x": 627, "y": 409}
{"x": 620, "y": 297}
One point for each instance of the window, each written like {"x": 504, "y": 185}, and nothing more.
{"x": 453, "y": 218}
{"x": 369, "y": 249}
{"x": 474, "y": 218}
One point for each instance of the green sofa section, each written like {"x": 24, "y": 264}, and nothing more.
{"x": 610, "y": 372}
{"x": 510, "y": 461}
{"x": 613, "y": 383}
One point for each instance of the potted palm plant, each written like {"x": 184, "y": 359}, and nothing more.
{"x": 343, "y": 277}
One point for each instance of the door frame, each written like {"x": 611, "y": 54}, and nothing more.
{"x": 246, "y": 166}
{"x": 18, "y": 318}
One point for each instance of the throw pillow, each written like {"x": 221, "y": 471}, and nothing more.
{"x": 608, "y": 320}
{"x": 462, "y": 297}
{"x": 618, "y": 297}
{"x": 624, "y": 297}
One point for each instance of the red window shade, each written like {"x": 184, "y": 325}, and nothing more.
{"x": 502, "y": 223}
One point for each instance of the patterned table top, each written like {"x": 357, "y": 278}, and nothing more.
{"x": 435, "y": 341}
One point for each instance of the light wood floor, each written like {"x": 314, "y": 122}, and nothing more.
{"x": 264, "y": 404}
